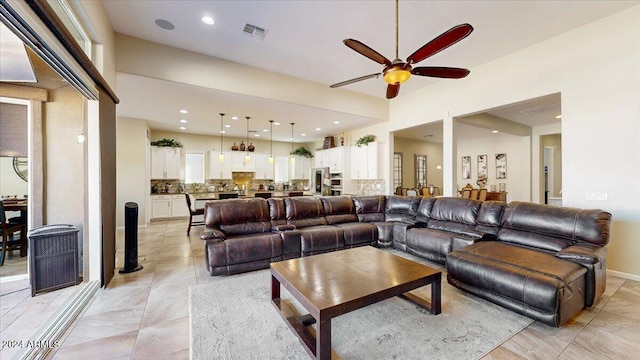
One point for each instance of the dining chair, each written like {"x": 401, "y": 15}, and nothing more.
{"x": 425, "y": 192}
{"x": 398, "y": 190}
{"x": 474, "y": 194}
{"x": 224, "y": 196}
{"x": 482, "y": 194}
{"x": 466, "y": 193}
{"x": 193, "y": 212}
{"x": 264, "y": 195}
{"x": 7, "y": 230}
{"x": 412, "y": 192}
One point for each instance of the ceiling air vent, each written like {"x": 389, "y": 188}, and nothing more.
{"x": 540, "y": 109}
{"x": 254, "y": 31}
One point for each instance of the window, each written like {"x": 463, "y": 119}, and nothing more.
{"x": 194, "y": 168}
{"x": 397, "y": 170}
{"x": 71, "y": 21}
{"x": 421, "y": 170}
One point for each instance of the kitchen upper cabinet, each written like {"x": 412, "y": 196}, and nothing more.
{"x": 263, "y": 169}
{"x": 300, "y": 169}
{"x": 282, "y": 169}
{"x": 332, "y": 158}
{"x": 167, "y": 163}
{"x": 238, "y": 162}
{"x": 364, "y": 162}
{"x": 217, "y": 169}
{"x": 321, "y": 158}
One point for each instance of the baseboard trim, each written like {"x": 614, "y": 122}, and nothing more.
{"x": 10, "y": 278}
{"x": 623, "y": 275}
{"x": 52, "y": 330}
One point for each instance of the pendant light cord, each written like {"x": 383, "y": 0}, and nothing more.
{"x": 221, "y": 130}
{"x": 397, "y": 29}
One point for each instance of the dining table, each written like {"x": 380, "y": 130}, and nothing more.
{"x": 19, "y": 205}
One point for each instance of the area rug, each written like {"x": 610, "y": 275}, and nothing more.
{"x": 233, "y": 318}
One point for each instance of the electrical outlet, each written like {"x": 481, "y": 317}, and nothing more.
{"x": 596, "y": 195}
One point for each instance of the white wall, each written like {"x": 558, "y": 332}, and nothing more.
{"x": 595, "y": 68}
{"x": 516, "y": 163}
{"x": 10, "y": 183}
{"x": 132, "y": 182}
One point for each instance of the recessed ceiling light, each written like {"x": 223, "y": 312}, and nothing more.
{"x": 318, "y": 129}
{"x": 257, "y": 135}
{"x": 183, "y": 121}
{"x": 303, "y": 134}
{"x": 265, "y": 130}
{"x": 165, "y": 24}
{"x": 494, "y": 131}
{"x": 183, "y": 128}
{"x": 222, "y": 132}
{"x": 208, "y": 20}
{"x": 227, "y": 126}
{"x": 234, "y": 118}
{"x": 559, "y": 117}
{"x": 276, "y": 123}
{"x": 184, "y": 111}
{"x": 336, "y": 122}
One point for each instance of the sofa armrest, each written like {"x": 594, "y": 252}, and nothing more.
{"x": 213, "y": 235}
{"x": 284, "y": 227}
{"x": 594, "y": 258}
{"x": 585, "y": 254}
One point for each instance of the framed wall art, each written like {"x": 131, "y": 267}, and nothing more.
{"x": 466, "y": 167}
{"x": 501, "y": 166}
{"x": 482, "y": 167}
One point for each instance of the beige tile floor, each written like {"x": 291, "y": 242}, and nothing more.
{"x": 144, "y": 315}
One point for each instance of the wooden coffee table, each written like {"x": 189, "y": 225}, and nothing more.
{"x": 335, "y": 283}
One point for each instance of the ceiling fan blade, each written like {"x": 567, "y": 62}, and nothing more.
{"x": 440, "y": 43}
{"x": 393, "y": 90}
{"x": 367, "y": 51}
{"x": 355, "y": 80}
{"x": 440, "y": 72}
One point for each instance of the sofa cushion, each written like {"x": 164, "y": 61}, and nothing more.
{"x": 569, "y": 225}
{"x": 277, "y": 213}
{"x": 541, "y": 285}
{"x": 359, "y": 233}
{"x": 244, "y": 249}
{"x": 322, "y": 238}
{"x": 369, "y": 208}
{"x": 401, "y": 208}
{"x": 464, "y": 211}
{"x": 424, "y": 209}
{"x": 238, "y": 216}
{"x": 489, "y": 217}
{"x": 339, "y": 209}
{"x": 304, "y": 211}
{"x": 429, "y": 243}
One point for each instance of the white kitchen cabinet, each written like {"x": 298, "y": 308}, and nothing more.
{"x": 217, "y": 169}
{"x": 263, "y": 169}
{"x": 238, "y": 162}
{"x": 364, "y": 162}
{"x": 166, "y": 163}
{"x": 179, "y": 206}
{"x": 282, "y": 169}
{"x": 160, "y": 206}
{"x": 332, "y": 158}
{"x": 168, "y": 206}
{"x": 322, "y": 158}
{"x": 300, "y": 169}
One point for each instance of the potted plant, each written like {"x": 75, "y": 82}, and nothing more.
{"x": 302, "y": 151}
{"x": 365, "y": 140}
{"x": 167, "y": 143}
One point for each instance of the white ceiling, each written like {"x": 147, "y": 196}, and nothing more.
{"x": 304, "y": 39}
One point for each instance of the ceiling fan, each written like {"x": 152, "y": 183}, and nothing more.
{"x": 397, "y": 71}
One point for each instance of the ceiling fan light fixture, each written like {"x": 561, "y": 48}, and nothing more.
{"x": 396, "y": 74}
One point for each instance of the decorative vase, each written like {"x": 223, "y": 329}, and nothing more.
{"x": 241, "y": 145}
{"x": 234, "y": 147}
{"x": 251, "y": 147}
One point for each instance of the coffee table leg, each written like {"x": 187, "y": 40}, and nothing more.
{"x": 435, "y": 297}
{"x": 275, "y": 288}
{"x": 323, "y": 340}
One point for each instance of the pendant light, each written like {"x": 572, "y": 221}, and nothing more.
{"x": 271, "y": 141}
{"x": 221, "y": 156}
{"x": 248, "y": 157}
{"x": 293, "y": 158}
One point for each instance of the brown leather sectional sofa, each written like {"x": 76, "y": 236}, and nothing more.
{"x": 543, "y": 262}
